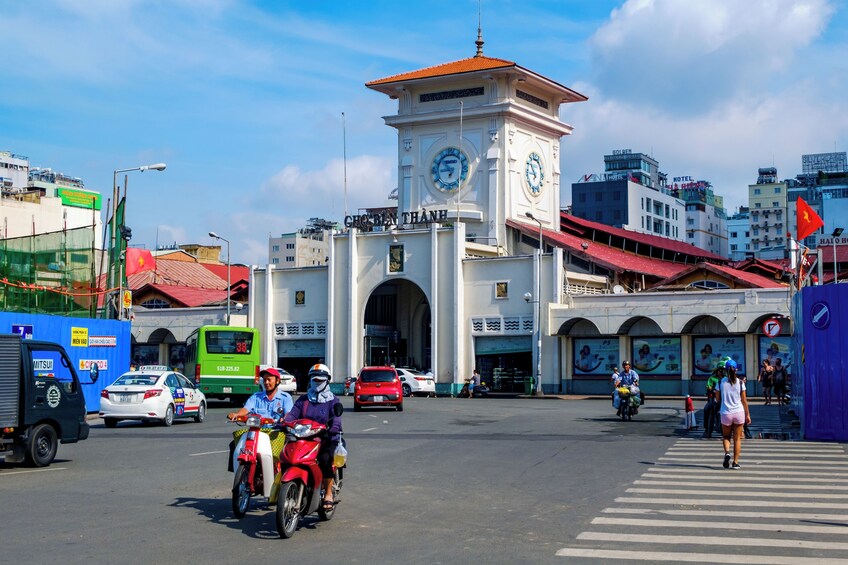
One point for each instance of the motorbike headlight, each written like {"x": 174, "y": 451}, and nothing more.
{"x": 302, "y": 430}
{"x": 254, "y": 421}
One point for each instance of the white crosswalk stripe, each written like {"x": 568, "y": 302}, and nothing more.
{"x": 787, "y": 505}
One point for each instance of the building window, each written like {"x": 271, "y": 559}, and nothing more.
{"x": 616, "y": 195}
{"x": 599, "y": 196}
{"x": 708, "y": 284}
{"x": 667, "y": 210}
{"x": 275, "y": 260}
{"x": 733, "y": 234}
{"x": 581, "y": 197}
{"x": 777, "y": 190}
{"x": 733, "y": 247}
{"x": 616, "y": 214}
{"x": 290, "y": 246}
{"x": 757, "y": 205}
{"x": 156, "y": 304}
{"x": 642, "y": 202}
{"x": 289, "y": 259}
{"x": 775, "y": 204}
{"x": 275, "y": 248}
{"x": 501, "y": 290}
{"x": 757, "y": 191}
{"x": 691, "y": 235}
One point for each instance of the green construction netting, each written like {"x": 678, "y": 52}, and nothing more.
{"x": 52, "y": 273}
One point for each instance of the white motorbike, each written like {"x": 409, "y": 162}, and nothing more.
{"x": 253, "y": 462}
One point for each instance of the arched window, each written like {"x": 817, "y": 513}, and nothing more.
{"x": 709, "y": 285}
{"x": 156, "y": 304}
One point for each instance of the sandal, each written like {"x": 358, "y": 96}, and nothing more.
{"x": 328, "y": 505}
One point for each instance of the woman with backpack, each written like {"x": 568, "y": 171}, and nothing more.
{"x": 734, "y": 413}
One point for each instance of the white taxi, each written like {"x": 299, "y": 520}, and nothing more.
{"x": 151, "y": 393}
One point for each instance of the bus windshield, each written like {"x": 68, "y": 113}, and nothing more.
{"x": 229, "y": 342}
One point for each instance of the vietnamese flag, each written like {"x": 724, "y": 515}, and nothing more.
{"x": 807, "y": 221}
{"x": 139, "y": 260}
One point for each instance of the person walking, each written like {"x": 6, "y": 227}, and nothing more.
{"x": 711, "y": 415}
{"x": 734, "y": 414}
{"x": 766, "y": 378}
{"x": 780, "y": 381}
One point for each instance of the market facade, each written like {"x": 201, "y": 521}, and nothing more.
{"x": 475, "y": 259}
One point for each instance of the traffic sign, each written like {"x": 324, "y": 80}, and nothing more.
{"x": 771, "y": 327}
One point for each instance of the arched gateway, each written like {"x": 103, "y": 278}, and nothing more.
{"x": 396, "y": 326}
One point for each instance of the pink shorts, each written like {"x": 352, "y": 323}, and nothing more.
{"x": 734, "y": 418}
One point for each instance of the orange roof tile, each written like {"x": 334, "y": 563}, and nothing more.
{"x": 469, "y": 65}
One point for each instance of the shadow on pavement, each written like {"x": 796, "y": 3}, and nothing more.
{"x": 259, "y": 522}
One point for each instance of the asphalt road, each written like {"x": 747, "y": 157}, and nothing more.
{"x": 445, "y": 481}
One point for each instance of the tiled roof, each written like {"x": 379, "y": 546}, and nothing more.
{"x": 747, "y": 279}
{"x": 179, "y": 273}
{"x": 457, "y": 67}
{"x": 186, "y": 296}
{"x": 752, "y": 279}
{"x": 580, "y": 225}
{"x": 608, "y": 257}
{"x": 237, "y": 272}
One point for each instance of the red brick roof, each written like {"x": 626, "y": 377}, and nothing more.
{"x": 185, "y": 296}
{"x": 742, "y": 278}
{"x": 457, "y": 67}
{"x": 237, "y": 272}
{"x": 181, "y": 273}
{"x": 586, "y": 227}
{"x": 611, "y": 258}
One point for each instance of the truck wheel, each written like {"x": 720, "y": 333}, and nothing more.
{"x": 42, "y": 447}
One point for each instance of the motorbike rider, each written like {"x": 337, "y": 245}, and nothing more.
{"x": 317, "y": 404}
{"x": 626, "y": 377}
{"x": 270, "y": 402}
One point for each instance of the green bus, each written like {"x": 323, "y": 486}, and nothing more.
{"x": 225, "y": 361}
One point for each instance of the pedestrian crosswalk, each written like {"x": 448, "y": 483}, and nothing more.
{"x": 766, "y": 422}
{"x": 788, "y": 504}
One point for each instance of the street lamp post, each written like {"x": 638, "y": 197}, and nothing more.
{"x": 836, "y": 233}
{"x": 216, "y": 236}
{"x": 538, "y": 390}
{"x": 113, "y": 228}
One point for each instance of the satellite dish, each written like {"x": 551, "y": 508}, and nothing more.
{"x": 618, "y": 289}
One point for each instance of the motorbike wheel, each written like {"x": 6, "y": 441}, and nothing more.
{"x": 325, "y": 515}
{"x": 241, "y": 491}
{"x": 288, "y": 510}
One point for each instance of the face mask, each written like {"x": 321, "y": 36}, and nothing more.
{"x": 319, "y": 385}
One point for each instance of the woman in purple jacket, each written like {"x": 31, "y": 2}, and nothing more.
{"x": 317, "y": 404}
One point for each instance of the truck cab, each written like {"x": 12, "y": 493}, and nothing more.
{"x": 41, "y": 401}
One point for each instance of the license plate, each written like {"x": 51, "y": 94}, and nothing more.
{"x": 429, "y": 382}
{"x": 228, "y": 389}
{"x": 378, "y": 399}
{"x": 125, "y": 398}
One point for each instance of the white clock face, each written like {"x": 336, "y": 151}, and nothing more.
{"x": 534, "y": 172}
{"x": 450, "y": 169}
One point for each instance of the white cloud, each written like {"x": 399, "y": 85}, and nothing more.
{"x": 686, "y": 57}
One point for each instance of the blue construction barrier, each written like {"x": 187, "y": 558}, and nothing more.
{"x": 820, "y": 389}
{"x": 87, "y": 341}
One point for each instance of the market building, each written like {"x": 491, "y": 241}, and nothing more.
{"x": 479, "y": 268}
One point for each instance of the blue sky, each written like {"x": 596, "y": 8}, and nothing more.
{"x": 243, "y": 100}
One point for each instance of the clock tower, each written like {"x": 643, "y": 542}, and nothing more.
{"x": 478, "y": 138}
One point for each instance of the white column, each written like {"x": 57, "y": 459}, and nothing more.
{"x": 270, "y": 353}
{"x": 329, "y": 341}
{"x": 435, "y": 299}
{"x": 251, "y": 298}
{"x": 354, "y": 329}
{"x": 461, "y": 365}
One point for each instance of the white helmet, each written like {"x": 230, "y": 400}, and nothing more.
{"x": 320, "y": 372}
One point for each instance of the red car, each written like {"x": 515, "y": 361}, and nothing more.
{"x": 377, "y": 386}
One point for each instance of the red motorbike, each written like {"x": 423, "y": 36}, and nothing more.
{"x": 302, "y": 492}
{"x": 253, "y": 461}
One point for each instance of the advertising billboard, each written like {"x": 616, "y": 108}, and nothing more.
{"x": 595, "y": 356}
{"x": 656, "y": 355}
{"x": 710, "y": 352}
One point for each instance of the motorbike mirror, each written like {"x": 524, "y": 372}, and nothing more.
{"x": 338, "y": 409}
{"x": 94, "y": 372}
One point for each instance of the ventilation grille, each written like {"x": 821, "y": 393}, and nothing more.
{"x": 300, "y": 329}
{"x": 500, "y": 325}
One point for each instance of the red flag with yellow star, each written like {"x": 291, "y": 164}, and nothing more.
{"x": 139, "y": 260}
{"x": 807, "y": 221}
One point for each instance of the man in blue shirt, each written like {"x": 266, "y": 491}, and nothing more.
{"x": 269, "y": 402}
{"x": 626, "y": 377}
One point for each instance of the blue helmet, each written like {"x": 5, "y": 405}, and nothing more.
{"x": 731, "y": 364}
